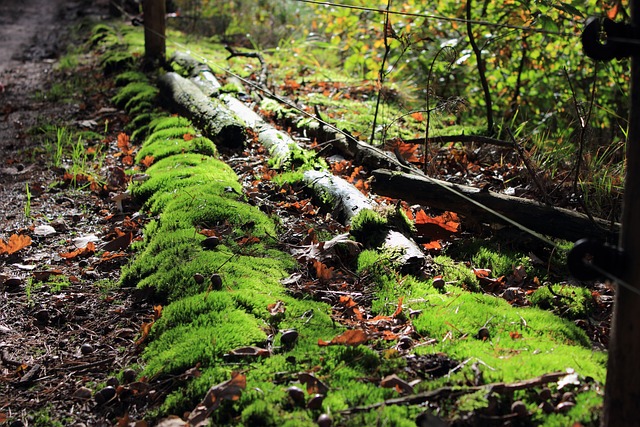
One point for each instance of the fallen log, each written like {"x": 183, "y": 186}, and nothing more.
{"x": 210, "y": 115}
{"x": 346, "y": 201}
{"x": 472, "y": 202}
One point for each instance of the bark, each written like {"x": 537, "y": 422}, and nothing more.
{"x": 199, "y": 73}
{"x": 210, "y": 115}
{"x": 347, "y": 201}
{"x": 548, "y": 220}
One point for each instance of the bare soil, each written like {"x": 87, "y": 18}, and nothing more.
{"x": 64, "y": 330}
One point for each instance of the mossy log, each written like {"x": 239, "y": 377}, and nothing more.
{"x": 277, "y": 143}
{"x": 347, "y": 201}
{"x": 210, "y": 115}
{"x": 199, "y": 72}
{"x": 548, "y": 220}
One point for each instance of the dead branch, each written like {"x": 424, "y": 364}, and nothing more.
{"x": 445, "y": 392}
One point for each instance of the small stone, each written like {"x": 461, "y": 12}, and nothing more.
{"x": 113, "y": 382}
{"x": 82, "y": 393}
{"x": 315, "y": 402}
{"x": 128, "y": 376}
{"x": 519, "y": 408}
{"x": 13, "y": 283}
{"x": 414, "y": 314}
{"x": 199, "y": 278}
{"x": 42, "y": 316}
{"x": 438, "y": 283}
{"x": 216, "y": 282}
{"x": 568, "y": 397}
{"x": 405, "y": 343}
{"x": 296, "y": 394}
{"x": 324, "y": 420}
{"x": 211, "y": 242}
{"x": 564, "y": 407}
{"x": 545, "y": 394}
{"x": 546, "y": 407}
{"x": 289, "y": 338}
{"x": 484, "y": 334}
{"x": 86, "y": 348}
{"x": 105, "y": 395}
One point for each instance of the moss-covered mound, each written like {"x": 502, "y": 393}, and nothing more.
{"x": 213, "y": 262}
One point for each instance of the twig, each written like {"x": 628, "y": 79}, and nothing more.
{"x": 583, "y": 119}
{"x": 381, "y": 72}
{"x": 462, "y": 138}
{"x": 262, "y": 78}
{"x": 529, "y": 167}
{"x": 444, "y": 392}
{"x": 481, "y": 71}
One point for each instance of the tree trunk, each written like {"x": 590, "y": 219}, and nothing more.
{"x": 154, "y": 30}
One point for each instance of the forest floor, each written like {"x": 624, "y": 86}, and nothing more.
{"x": 53, "y": 346}
{"x": 58, "y": 348}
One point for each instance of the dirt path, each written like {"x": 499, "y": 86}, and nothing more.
{"x": 57, "y": 341}
{"x": 28, "y": 38}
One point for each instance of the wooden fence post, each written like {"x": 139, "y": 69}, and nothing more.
{"x": 154, "y": 30}
{"x": 622, "y": 389}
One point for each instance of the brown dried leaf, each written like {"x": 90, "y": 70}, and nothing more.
{"x": 229, "y": 390}
{"x": 352, "y": 337}
{"x": 393, "y": 381}
{"x": 313, "y": 384}
{"x": 15, "y": 243}
{"x": 86, "y": 251}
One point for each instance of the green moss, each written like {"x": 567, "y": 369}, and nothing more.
{"x": 568, "y": 301}
{"x": 369, "y": 227}
{"x": 457, "y": 273}
{"x": 135, "y": 93}
{"x": 501, "y": 264}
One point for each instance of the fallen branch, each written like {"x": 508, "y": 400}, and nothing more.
{"x": 445, "y": 392}
{"x": 210, "y": 115}
{"x": 473, "y": 202}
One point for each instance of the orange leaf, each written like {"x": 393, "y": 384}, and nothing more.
{"x": 351, "y": 337}
{"x": 86, "y": 251}
{"x": 145, "y": 328}
{"x": 399, "y": 309}
{"x": 515, "y": 335}
{"x": 322, "y": 271}
{"x": 123, "y": 142}
{"x": 417, "y": 116}
{"x": 147, "y": 161}
{"x": 15, "y": 243}
{"x": 157, "y": 312}
{"x": 188, "y": 136}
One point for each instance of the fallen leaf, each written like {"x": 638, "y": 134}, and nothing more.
{"x": 15, "y": 243}
{"x": 277, "y": 308}
{"x": 313, "y": 384}
{"x": 393, "y": 381}
{"x": 119, "y": 243}
{"x": 147, "y": 161}
{"x": 86, "y": 251}
{"x": 228, "y": 390}
{"x": 351, "y": 337}
{"x": 250, "y": 351}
